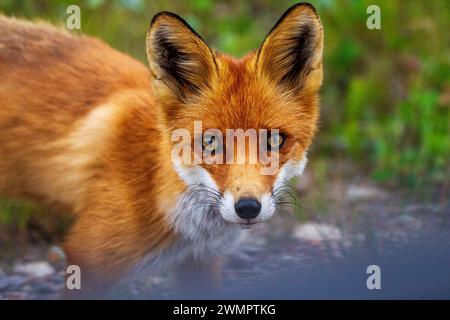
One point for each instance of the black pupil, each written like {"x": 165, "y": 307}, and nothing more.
{"x": 210, "y": 140}
{"x": 275, "y": 141}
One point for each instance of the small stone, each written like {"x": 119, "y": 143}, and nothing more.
{"x": 55, "y": 255}
{"x": 35, "y": 269}
{"x": 286, "y": 257}
{"x": 317, "y": 232}
{"x": 411, "y": 222}
{"x": 364, "y": 192}
{"x": 157, "y": 280}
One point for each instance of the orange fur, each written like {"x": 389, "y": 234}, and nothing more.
{"x": 87, "y": 128}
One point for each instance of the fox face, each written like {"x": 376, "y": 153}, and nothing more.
{"x": 219, "y": 105}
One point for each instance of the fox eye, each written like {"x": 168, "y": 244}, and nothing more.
{"x": 276, "y": 141}
{"x": 210, "y": 143}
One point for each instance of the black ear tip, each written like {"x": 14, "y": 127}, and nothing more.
{"x": 302, "y": 4}
{"x": 173, "y": 16}
{"x": 290, "y": 10}
{"x": 157, "y": 16}
{"x": 168, "y": 14}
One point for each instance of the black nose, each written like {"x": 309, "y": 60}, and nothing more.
{"x": 247, "y": 208}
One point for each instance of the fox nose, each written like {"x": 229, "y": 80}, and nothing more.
{"x": 247, "y": 208}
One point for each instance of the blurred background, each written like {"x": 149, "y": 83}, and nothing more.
{"x": 380, "y": 166}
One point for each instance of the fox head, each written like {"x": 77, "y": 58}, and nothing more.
{"x": 206, "y": 94}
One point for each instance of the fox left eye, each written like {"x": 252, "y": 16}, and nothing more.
{"x": 276, "y": 141}
{"x": 210, "y": 143}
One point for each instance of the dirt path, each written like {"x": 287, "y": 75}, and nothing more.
{"x": 348, "y": 217}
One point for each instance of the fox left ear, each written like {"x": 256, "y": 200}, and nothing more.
{"x": 291, "y": 54}
{"x": 180, "y": 61}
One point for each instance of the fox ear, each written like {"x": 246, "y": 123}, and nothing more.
{"x": 291, "y": 54}
{"x": 179, "y": 59}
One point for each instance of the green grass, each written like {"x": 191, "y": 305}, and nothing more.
{"x": 13, "y": 212}
{"x": 21, "y": 216}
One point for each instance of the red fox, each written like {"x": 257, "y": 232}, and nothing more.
{"x": 90, "y": 130}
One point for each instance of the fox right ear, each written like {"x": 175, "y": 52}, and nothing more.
{"x": 179, "y": 59}
{"x": 291, "y": 54}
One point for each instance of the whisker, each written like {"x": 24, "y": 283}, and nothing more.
{"x": 285, "y": 195}
{"x": 204, "y": 196}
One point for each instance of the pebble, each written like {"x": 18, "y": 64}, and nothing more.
{"x": 411, "y": 222}
{"x": 35, "y": 269}
{"x": 56, "y": 255}
{"x": 364, "y": 192}
{"x": 317, "y": 232}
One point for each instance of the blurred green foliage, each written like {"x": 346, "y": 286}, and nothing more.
{"x": 386, "y": 94}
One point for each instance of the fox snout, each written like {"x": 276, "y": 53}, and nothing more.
{"x": 247, "y": 208}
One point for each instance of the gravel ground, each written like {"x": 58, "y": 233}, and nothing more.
{"x": 363, "y": 217}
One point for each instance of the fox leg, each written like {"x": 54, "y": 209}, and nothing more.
{"x": 96, "y": 275}
{"x": 104, "y": 251}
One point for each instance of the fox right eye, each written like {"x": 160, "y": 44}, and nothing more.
{"x": 276, "y": 141}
